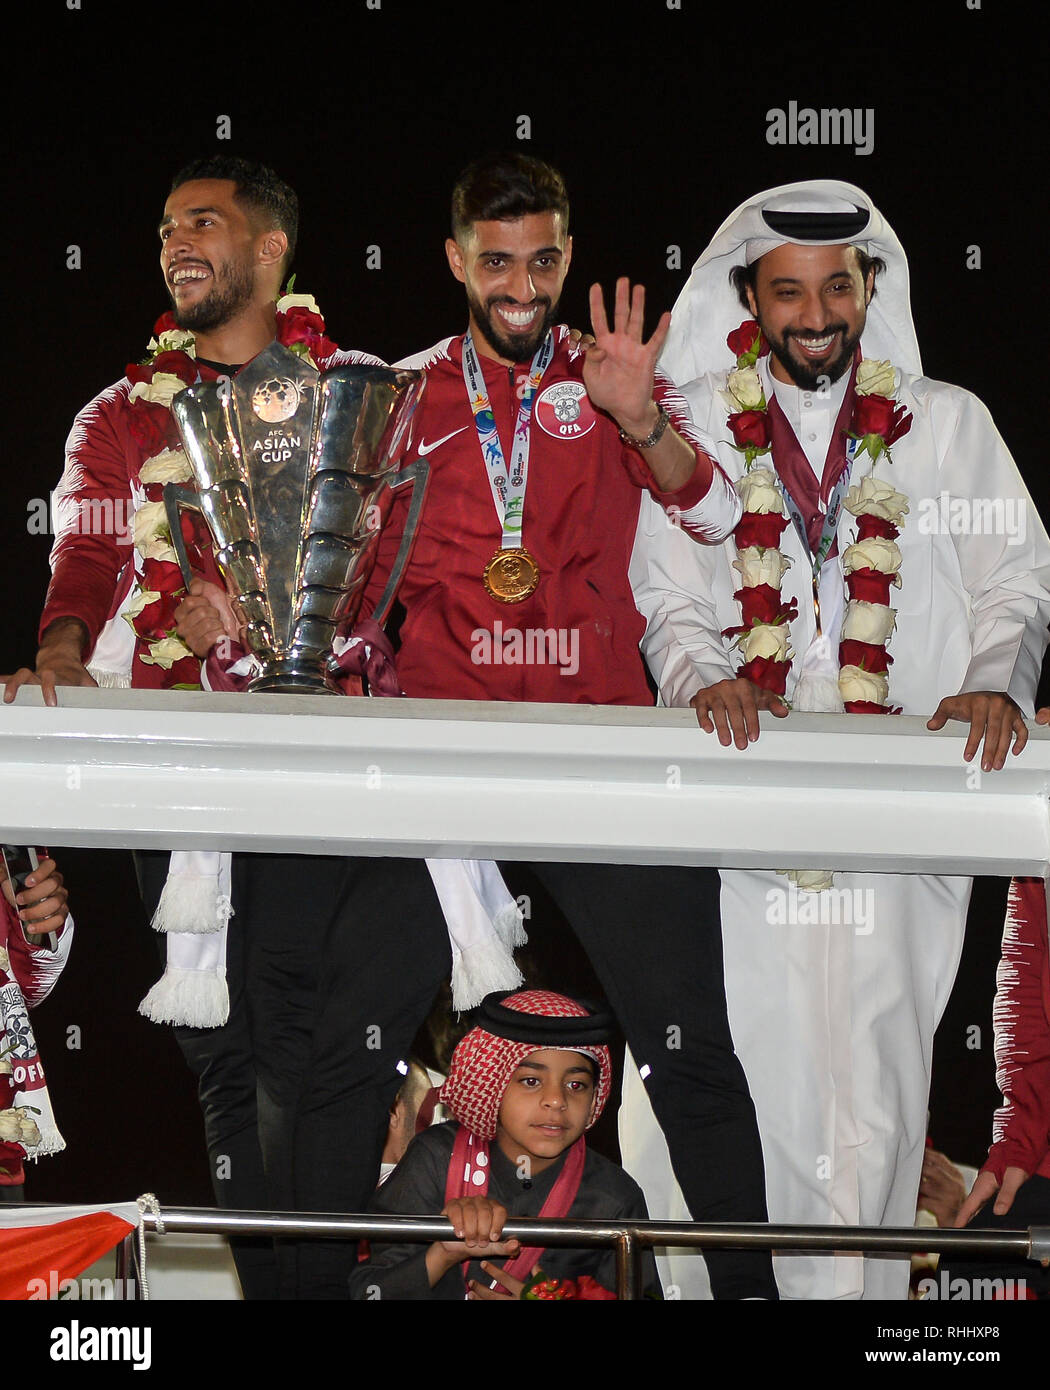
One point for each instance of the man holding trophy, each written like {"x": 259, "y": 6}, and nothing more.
{"x": 296, "y": 1087}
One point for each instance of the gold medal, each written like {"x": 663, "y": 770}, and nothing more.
{"x": 511, "y": 575}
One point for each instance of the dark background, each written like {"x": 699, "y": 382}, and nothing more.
{"x": 657, "y": 117}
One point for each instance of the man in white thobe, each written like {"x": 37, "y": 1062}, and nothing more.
{"x": 834, "y": 1023}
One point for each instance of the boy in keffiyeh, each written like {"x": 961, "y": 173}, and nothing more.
{"x": 524, "y": 1086}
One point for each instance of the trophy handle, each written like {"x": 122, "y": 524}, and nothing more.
{"x": 418, "y": 474}
{"x": 175, "y": 498}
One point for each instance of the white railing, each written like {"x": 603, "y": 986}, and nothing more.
{"x": 531, "y": 782}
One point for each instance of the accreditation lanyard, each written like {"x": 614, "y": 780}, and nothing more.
{"x": 828, "y": 531}
{"x": 508, "y": 486}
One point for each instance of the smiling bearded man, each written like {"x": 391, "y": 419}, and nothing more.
{"x": 297, "y": 1083}
{"x": 833, "y": 1015}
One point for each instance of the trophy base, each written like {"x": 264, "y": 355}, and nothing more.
{"x": 287, "y": 679}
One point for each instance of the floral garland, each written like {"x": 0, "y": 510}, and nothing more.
{"x": 870, "y": 565}
{"x": 168, "y": 368}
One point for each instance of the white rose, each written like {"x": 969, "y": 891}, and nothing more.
{"x": 160, "y": 548}
{"x": 877, "y": 498}
{"x": 855, "y": 684}
{"x": 151, "y": 521}
{"x": 875, "y": 378}
{"x": 142, "y": 600}
{"x": 765, "y": 639}
{"x": 165, "y": 653}
{"x": 6, "y": 1069}
{"x": 175, "y": 340}
{"x": 10, "y": 1125}
{"x": 171, "y": 466}
{"x": 874, "y": 554}
{"x": 5, "y": 960}
{"x": 759, "y": 492}
{"x": 809, "y": 880}
{"x": 744, "y": 389}
{"x": 868, "y": 622}
{"x": 162, "y": 390}
{"x": 297, "y": 301}
{"x": 29, "y": 1135}
{"x": 756, "y": 566}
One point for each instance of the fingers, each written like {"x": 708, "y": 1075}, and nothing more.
{"x": 656, "y": 342}
{"x": 42, "y": 902}
{"x": 1043, "y": 716}
{"x": 994, "y": 720}
{"x": 23, "y": 676}
{"x": 730, "y": 710}
{"x": 477, "y": 1221}
{"x": 599, "y": 322}
{"x": 512, "y": 1285}
{"x": 1013, "y": 1180}
{"x": 983, "y": 1188}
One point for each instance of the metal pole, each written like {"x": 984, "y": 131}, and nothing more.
{"x": 1018, "y": 1244}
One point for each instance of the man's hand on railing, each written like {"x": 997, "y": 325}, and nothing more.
{"x": 204, "y": 616}
{"x": 730, "y": 709}
{"x": 60, "y": 661}
{"x": 993, "y": 716}
{"x": 985, "y": 1187}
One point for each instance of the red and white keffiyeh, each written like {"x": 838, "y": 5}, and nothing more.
{"x": 483, "y": 1063}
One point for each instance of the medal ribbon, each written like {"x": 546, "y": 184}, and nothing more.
{"x": 829, "y": 529}
{"x": 508, "y": 486}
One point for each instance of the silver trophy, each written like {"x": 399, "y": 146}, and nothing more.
{"x": 294, "y": 474}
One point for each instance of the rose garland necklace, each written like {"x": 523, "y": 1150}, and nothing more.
{"x": 870, "y": 565}
{"x": 169, "y": 367}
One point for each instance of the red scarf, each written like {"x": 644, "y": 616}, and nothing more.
{"x": 468, "y": 1176}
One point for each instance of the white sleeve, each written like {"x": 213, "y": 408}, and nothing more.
{"x": 1004, "y": 554}
{"x": 672, "y": 578}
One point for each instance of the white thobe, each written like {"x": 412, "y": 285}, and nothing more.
{"x": 834, "y": 1024}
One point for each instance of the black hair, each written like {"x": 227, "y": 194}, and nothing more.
{"x": 259, "y": 190}
{"x": 505, "y": 187}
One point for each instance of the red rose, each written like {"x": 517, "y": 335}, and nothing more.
{"x": 762, "y": 604}
{"x": 743, "y": 340}
{"x": 161, "y": 576}
{"x": 136, "y": 372}
{"x": 177, "y": 364}
{"x": 763, "y": 529}
{"x": 164, "y": 324}
{"x": 867, "y": 707}
{"x": 300, "y": 320}
{"x": 879, "y": 415}
{"x": 750, "y": 427}
{"x": 870, "y": 586}
{"x": 157, "y": 618}
{"x": 864, "y": 655}
{"x": 588, "y": 1287}
{"x": 770, "y": 675}
{"x": 152, "y": 428}
{"x": 868, "y": 526}
{"x": 185, "y": 671}
{"x": 872, "y": 415}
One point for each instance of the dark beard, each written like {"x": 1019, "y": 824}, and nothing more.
{"x": 232, "y": 290}
{"x": 812, "y": 376}
{"x": 516, "y": 349}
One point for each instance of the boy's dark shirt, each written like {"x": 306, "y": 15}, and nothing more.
{"x": 417, "y": 1188}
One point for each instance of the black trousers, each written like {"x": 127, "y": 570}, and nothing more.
{"x": 654, "y": 938}
{"x": 332, "y": 964}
